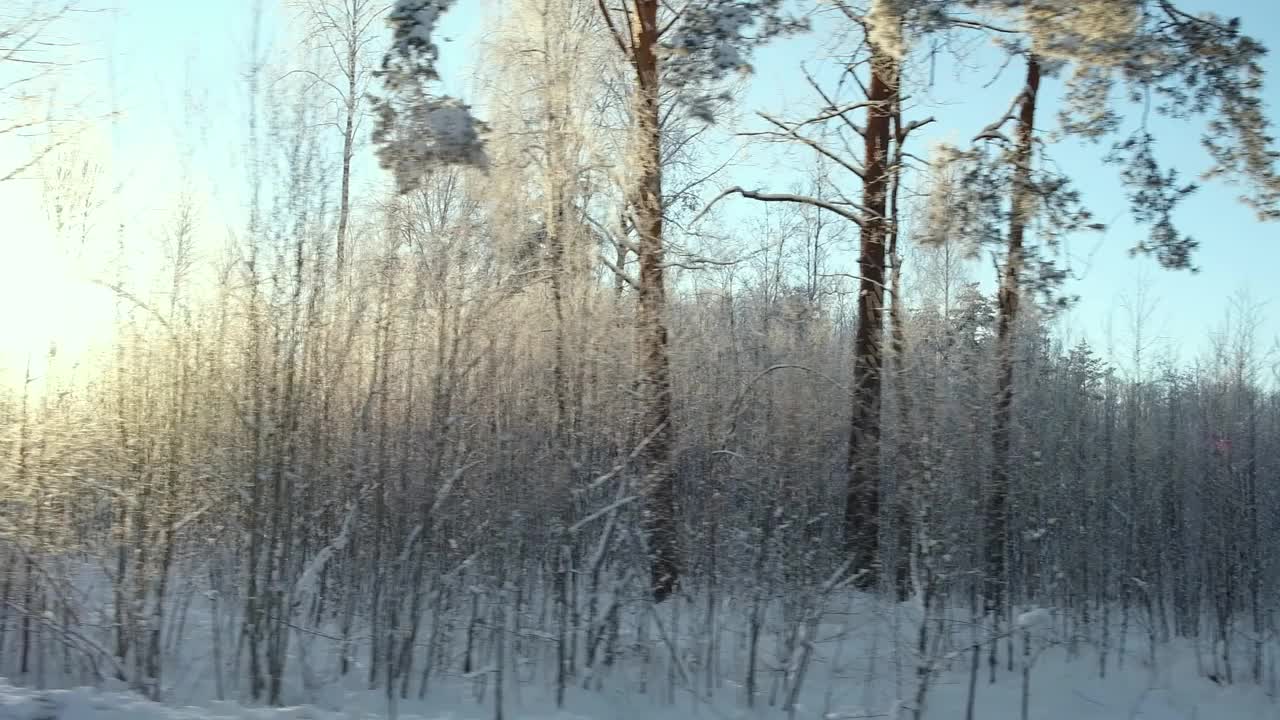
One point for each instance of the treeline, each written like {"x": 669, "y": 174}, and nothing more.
{"x": 363, "y": 459}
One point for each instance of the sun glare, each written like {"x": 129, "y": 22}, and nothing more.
{"x": 46, "y": 289}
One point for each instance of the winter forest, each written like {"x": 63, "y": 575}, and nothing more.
{"x": 549, "y": 374}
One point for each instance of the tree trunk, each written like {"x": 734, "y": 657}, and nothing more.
{"x": 996, "y": 512}
{"x": 862, "y": 501}
{"x": 656, "y": 471}
{"x": 348, "y": 150}
{"x": 907, "y": 471}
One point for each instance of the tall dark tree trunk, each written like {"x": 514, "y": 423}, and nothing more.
{"x": 996, "y": 510}
{"x": 908, "y": 471}
{"x": 651, "y": 333}
{"x": 862, "y": 501}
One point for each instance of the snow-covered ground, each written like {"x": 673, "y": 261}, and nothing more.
{"x": 1062, "y": 692}
{"x": 862, "y": 664}
{"x": 18, "y": 703}
{"x": 1060, "y": 689}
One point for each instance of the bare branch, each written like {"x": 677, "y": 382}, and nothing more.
{"x": 831, "y": 103}
{"x": 850, "y": 215}
{"x": 992, "y": 131}
{"x": 912, "y": 126}
{"x": 790, "y": 131}
{"x": 613, "y": 29}
{"x": 635, "y": 284}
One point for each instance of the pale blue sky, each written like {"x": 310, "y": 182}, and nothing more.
{"x": 1237, "y": 252}
{"x": 151, "y": 53}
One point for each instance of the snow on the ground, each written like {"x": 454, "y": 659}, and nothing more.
{"x": 1034, "y": 618}
{"x": 1062, "y": 690}
{"x": 19, "y": 703}
{"x": 863, "y": 667}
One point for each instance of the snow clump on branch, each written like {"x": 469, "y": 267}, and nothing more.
{"x": 416, "y": 130}
{"x": 716, "y": 38}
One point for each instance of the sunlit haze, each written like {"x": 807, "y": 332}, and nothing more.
{"x": 165, "y": 110}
